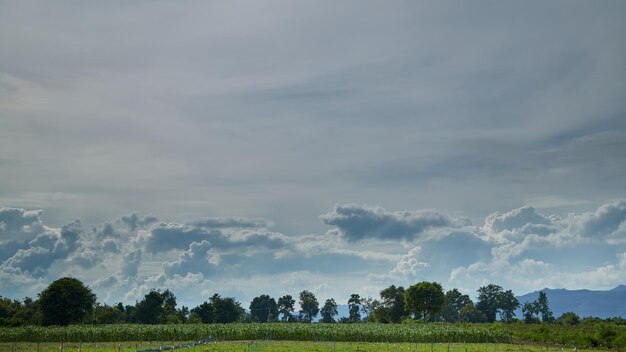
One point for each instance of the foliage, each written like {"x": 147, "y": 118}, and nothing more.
{"x": 309, "y": 306}
{"x": 454, "y": 303}
{"x": 156, "y": 308}
{"x": 286, "y": 305}
{"x": 258, "y": 331}
{"x": 424, "y": 299}
{"x": 391, "y": 308}
{"x": 66, "y": 301}
{"x": 493, "y": 299}
{"x": 354, "y": 308}
{"x": 329, "y": 310}
{"x": 263, "y": 309}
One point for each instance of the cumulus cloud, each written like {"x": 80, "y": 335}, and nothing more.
{"x": 609, "y": 219}
{"x": 45, "y": 249}
{"x": 165, "y": 237}
{"x": 196, "y": 259}
{"x": 19, "y": 224}
{"x": 357, "y": 222}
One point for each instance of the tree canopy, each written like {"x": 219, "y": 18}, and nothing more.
{"x": 66, "y": 301}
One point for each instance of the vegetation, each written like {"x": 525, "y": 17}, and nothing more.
{"x": 427, "y": 314}
{"x": 66, "y": 301}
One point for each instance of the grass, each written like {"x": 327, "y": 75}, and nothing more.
{"x": 286, "y": 346}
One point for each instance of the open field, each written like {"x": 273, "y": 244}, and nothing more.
{"x": 287, "y": 346}
{"x": 433, "y": 337}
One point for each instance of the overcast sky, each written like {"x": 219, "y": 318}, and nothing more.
{"x": 336, "y": 146}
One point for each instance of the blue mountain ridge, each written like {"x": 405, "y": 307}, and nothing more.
{"x": 585, "y": 303}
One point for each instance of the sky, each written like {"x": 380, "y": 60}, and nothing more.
{"x": 267, "y": 147}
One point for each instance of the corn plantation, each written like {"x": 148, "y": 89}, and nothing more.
{"x": 276, "y": 331}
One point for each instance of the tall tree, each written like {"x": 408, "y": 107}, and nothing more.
{"x": 530, "y": 311}
{"x": 507, "y": 303}
{"x": 329, "y": 311}
{"x": 263, "y": 309}
{"x": 66, "y": 301}
{"x": 454, "y": 302}
{"x": 309, "y": 306}
{"x": 493, "y": 299}
{"x": 424, "y": 299}
{"x": 286, "y": 305}
{"x": 391, "y": 308}
{"x": 543, "y": 308}
{"x": 354, "y": 308}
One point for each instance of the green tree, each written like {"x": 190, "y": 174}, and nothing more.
{"x": 151, "y": 309}
{"x": 530, "y": 311}
{"x": 263, "y": 309}
{"x": 329, "y": 311}
{"x": 424, "y": 299}
{"x": 543, "y": 308}
{"x": 454, "y": 302}
{"x": 569, "y": 318}
{"x": 104, "y": 314}
{"x": 469, "y": 314}
{"x": 226, "y": 310}
{"x": 66, "y": 301}
{"x": 354, "y": 308}
{"x": 204, "y": 313}
{"x": 507, "y": 303}
{"x": 493, "y": 299}
{"x": 391, "y": 308}
{"x": 309, "y": 306}
{"x": 286, "y": 305}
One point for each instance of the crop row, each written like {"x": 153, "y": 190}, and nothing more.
{"x": 275, "y": 331}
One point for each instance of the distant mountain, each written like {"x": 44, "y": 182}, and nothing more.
{"x": 601, "y": 304}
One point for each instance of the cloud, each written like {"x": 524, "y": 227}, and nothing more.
{"x": 232, "y": 223}
{"x": 608, "y": 220}
{"x": 45, "y": 249}
{"x": 195, "y": 260}
{"x": 357, "y": 222}
{"x": 19, "y": 224}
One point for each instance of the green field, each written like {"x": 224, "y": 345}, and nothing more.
{"x": 433, "y": 337}
{"x": 285, "y": 346}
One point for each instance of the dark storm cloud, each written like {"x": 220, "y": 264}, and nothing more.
{"x": 357, "y": 222}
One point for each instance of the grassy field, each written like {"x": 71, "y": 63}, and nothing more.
{"x": 287, "y": 346}
{"x": 433, "y": 337}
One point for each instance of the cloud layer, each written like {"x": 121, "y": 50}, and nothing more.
{"x": 364, "y": 250}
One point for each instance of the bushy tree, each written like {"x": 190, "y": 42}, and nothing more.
{"x": 454, "y": 302}
{"x": 470, "y": 314}
{"x": 391, "y": 308}
{"x": 226, "y": 310}
{"x": 286, "y": 305}
{"x": 157, "y": 307}
{"x": 329, "y": 311}
{"x": 569, "y": 318}
{"x": 104, "y": 314}
{"x": 309, "y": 306}
{"x": 66, "y": 301}
{"x": 424, "y": 299}
{"x": 493, "y": 299}
{"x": 204, "y": 313}
{"x": 263, "y": 309}
{"x": 543, "y": 308}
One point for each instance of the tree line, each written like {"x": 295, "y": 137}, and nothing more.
{"x": 69, "y": 301}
